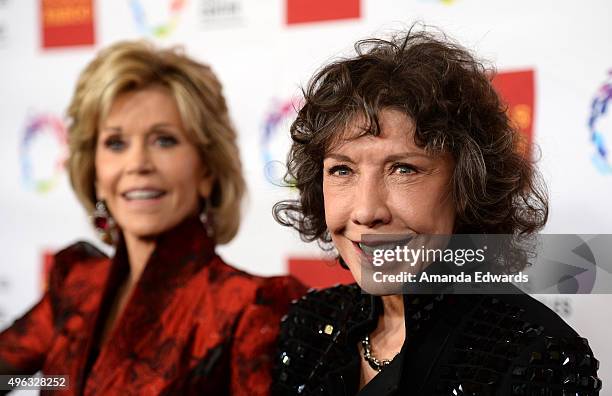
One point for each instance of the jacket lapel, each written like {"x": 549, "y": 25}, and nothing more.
{"x": 137, "y": 341}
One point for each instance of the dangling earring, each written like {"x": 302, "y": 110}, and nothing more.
{"x": 103, "y": 222}
{"x": 204, "y": 218}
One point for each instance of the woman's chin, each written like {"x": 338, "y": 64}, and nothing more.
{"x": 145, "y": 230}
{"x": 372, "y": 282}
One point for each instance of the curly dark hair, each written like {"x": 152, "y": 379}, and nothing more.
{"x": 448, "y": 93}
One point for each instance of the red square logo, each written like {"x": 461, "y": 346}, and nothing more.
{"x": 66, "y": 23}
{"x": 518, "y": 93}
{"x": 304, "y": 11}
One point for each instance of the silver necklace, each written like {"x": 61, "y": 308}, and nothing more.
{"x": 376, "y": 364}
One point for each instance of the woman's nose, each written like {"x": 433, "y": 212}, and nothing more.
{"x": 369, "y": 203}
{"x": 139, "y": 159}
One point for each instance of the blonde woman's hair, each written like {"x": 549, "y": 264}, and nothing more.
{"x": 133, "y": 65}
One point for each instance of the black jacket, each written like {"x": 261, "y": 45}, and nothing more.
{"x": 455, "y": 345}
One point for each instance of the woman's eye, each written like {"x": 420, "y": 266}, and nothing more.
{"x": 339, "y": 170}
{"x": 166, "y": 141}
{"x": 114, "y": 144}
{"x": 403, "y": 169}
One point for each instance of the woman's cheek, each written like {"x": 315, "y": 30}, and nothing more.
{"x": 333, "y": 217}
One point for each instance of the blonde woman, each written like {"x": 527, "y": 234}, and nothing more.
{"x": 153, "y": 159}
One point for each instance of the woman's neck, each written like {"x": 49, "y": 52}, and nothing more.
{"x": 387, "y": 338}
{"x": 390, "y": 332}
{"x": 139, "y": 250}
{"x": 391, "y": 321}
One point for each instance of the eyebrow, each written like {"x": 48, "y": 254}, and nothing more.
{"x": 408, "y": 154}
{"x": 390, "y": 158}
{"x": 111, "y": 129}
{"x": 339, "y": 157}
{"x": 117, "y": 129}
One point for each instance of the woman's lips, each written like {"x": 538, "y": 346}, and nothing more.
{"x": 367, "y": 248}
{"x": 143, "y": 199}
{"x": 143, "y": 194}
{"x": 363, "y": 254}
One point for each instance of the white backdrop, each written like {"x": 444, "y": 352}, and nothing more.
{"x": 262, "y": 62}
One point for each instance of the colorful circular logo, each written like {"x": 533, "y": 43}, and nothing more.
{"x": 152, "y": 24}
{"x": 276, "y": 141}
{"x": 43, "y": 152}
{"x": 600, "y": 126}
{"x": 445, "y": 2}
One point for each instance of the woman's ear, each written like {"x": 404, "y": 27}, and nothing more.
{"x": 206, "y": 185}
{"x": 99, "y": 195}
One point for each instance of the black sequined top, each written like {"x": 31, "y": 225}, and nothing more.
{"x": 455, "y": 345}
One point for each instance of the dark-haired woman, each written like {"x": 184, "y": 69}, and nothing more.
{"x": 408, "y": 137}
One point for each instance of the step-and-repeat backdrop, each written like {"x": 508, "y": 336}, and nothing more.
{"x": 555, "y": 72}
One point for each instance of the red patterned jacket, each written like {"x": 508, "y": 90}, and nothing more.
{"x": 193, "y": 324}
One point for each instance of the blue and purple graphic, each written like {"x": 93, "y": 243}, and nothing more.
{"x": 43, "y": 152}
{"x": 275, "y": 140}
{"x": 600, "y": 126}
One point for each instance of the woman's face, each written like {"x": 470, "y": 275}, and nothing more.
{"x": 147, "y": 171}
{"x": 384, "y": 184}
